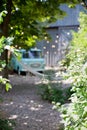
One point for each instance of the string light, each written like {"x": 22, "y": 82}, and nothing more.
{"x": 68, "y": 33}
{"x": 47, "y": 52}
{"x": 44, "y": 47}
{"x": 56, "y": 41}
{"x": 45, "y": 38}
{"x": 47, "y": 41}
{"x": 57, "y": 36}
{"x": 53, "y": 46}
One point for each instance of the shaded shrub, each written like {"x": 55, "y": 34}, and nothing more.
{"x": 6, "y": 124}
{"x": 67, "y": 94}
{"x": 54, "y": 92}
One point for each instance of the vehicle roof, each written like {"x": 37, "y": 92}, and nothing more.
{"x": 32, "y": 49}
{"x": 22, "y": 50}
{"x": 35, "y": 49}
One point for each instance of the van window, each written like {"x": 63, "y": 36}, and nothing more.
{"x": 36, "y": 54}
{"x": 32, "y": 54}
{"x": 25, "y": 55}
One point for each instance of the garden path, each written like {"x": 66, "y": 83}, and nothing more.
{"x": 24, "y": 105}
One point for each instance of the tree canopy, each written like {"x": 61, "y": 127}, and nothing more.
{"x": 25, "y": 19}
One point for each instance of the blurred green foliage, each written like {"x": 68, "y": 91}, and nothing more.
{"x": 74, "y": 114}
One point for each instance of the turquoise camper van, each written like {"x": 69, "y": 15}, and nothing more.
{"x": 31, "y": 60}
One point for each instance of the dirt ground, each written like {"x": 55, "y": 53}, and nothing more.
{"x": 24, "y": 105}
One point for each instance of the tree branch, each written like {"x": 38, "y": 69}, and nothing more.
{"x": 7, "y": 18}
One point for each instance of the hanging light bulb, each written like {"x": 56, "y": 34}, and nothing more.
{"x": 47, "y": 41}
{"x": 47, "y": 52}
{"x": 53, "y": 46}
{"x": 57, "y": 36}
{"x": 68, "y": 33}
{"x": 44, "y": 47}
{"x": 56, "y": 41}
{"x": 45, "y": 38}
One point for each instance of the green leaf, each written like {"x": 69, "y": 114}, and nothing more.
{"x": 8, "y": 86}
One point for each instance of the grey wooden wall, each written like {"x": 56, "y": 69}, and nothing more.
{"x": 60, "y": 32}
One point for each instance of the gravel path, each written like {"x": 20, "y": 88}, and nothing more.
{"x": 23, "y": 104}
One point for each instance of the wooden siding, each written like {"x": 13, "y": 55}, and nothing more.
{"x": 72, "y": 16}
{"x": 55, "y": 49}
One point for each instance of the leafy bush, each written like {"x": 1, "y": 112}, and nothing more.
{"x": 52, "y": 89}
{"x": 74, "y": 115}
{"x": 53, "y": 92}
{"x": 6, "y": 124}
